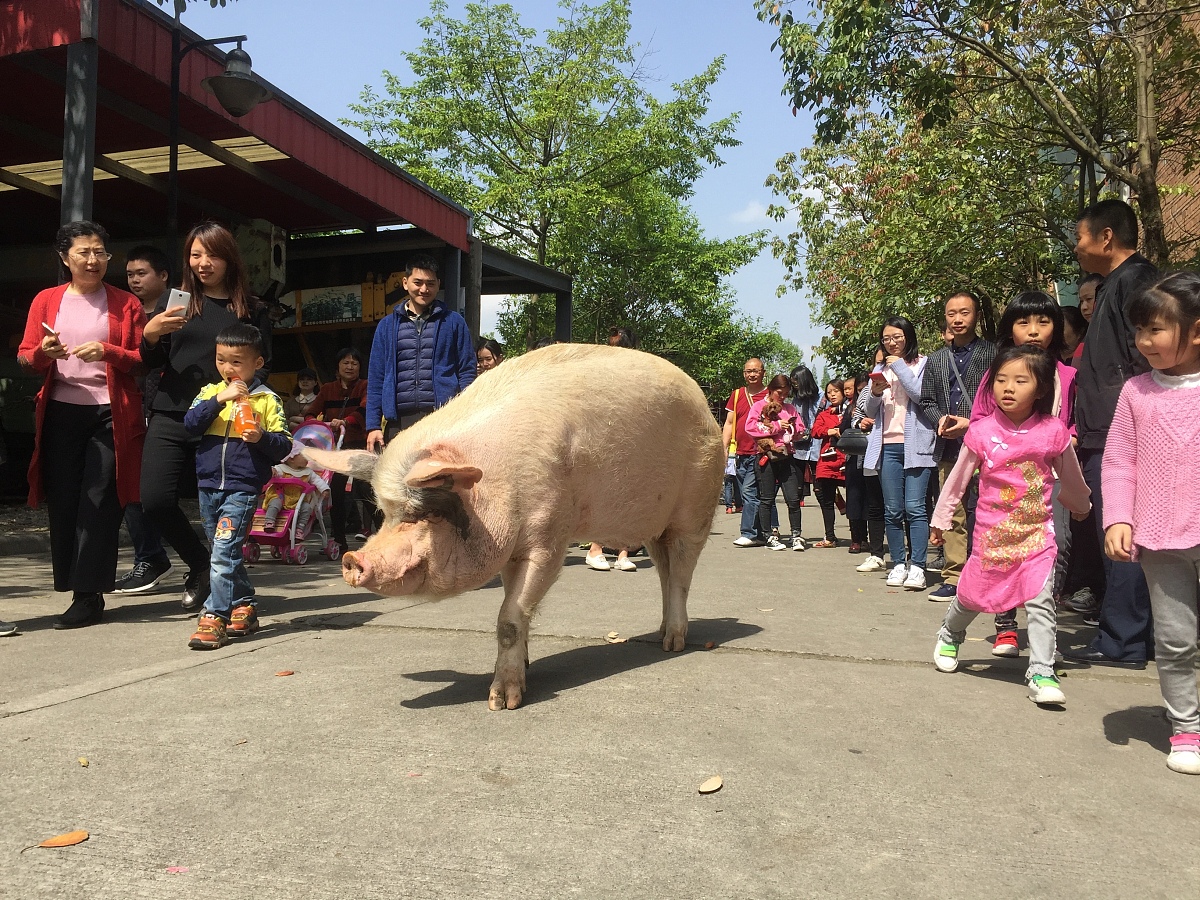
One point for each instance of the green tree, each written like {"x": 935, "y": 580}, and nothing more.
{"x": 892, "y": 219}
{"x": 558, "y": 145}
{"x": 1112, "y": 83}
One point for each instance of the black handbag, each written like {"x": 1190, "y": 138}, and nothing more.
{"x": 853, "y": 442}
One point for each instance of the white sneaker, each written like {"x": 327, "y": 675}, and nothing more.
{"x": 798, "y": 543}
{"x": 945, "y": 656}
{"x": 915, "y": 580}
{"x": 599, "y": 563}
{"x": 897, "y": 576}
{"x": 748, "y": 542}
{"x": 1185, "y": 754}
{"x": 776, "y": 544}
{"x": 871, "y": 564}
{"x": 625, "y": 564}
{"x": 1044, "y": 689}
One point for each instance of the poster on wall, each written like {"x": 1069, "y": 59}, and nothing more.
{"x": 326, "y": 306}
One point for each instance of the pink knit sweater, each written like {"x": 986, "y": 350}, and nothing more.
{"x": 1149, "y": 476}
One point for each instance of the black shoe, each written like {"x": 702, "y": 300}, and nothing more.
{"x": 85, "y": 609}
{"x": 1099, "y": 658}
{"x": 143, "y": 577}
{"x": 195, "y": 590}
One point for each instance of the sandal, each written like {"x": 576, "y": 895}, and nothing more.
{"x": 824, "y": 545}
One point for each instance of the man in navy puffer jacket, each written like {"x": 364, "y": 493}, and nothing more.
{"x": 422, "y": 355}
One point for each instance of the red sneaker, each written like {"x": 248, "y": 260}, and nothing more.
{"x": 242, "y": 621}
{"x": 1006, "y": 644}
{"x": 210, "y": 633}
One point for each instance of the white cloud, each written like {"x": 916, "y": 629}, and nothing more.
{"x": 752, "y": 213}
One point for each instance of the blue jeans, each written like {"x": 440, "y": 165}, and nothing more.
{"x": 747, "y": 473}
{"x": 227, "y": 516}
{"x": 904, "y": 499}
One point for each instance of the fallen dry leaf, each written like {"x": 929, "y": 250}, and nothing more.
{"x": 709, "y": 645}
{"x": 284, "y": 672}
{"x": 712, "y": 785}
{"x": 83, "y": 761}
{"x": 65, "y": 840}
{"x": 413, "y": 775}
{"x": 860, "y": 590}
{"x": 239, "y": 743}
{"x": 765, "y": 608}
{"x": 614, "y": 638}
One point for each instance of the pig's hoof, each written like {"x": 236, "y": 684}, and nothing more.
{"x": 504, "y": 698}
{"x": 673, "y": 642}
{"x": 506, "y": 691}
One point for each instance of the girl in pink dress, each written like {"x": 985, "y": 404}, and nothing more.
{"x": 1034, "y": 317}
{"x": 1018, "y": 450}
{"x": 1151, "y": 501}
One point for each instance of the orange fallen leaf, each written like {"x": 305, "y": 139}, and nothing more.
{"x": 284, "y": 672}
{"x": 709, "y": 645}
{"x": 712, "y": 785}
{"x": 65, "y": 840}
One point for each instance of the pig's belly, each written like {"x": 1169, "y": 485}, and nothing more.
{"x": 625, "y": 520}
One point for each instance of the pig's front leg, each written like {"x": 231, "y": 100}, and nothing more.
{"x": 526, "y": 581}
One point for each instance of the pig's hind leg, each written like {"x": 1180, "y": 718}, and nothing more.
{"x": 525, "y": 583}
{"x": 675, "y": 558}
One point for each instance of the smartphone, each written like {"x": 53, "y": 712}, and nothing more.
{"x": 49, "y": 331}
{"x": 177, "y": 302}
{"x": 878, "y": 376}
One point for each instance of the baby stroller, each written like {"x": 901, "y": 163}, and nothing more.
{"x": 287, "y": 541}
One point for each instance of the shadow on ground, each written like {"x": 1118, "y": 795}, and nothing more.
{"x": 549, "y": 676}
{"x": 1147, "y": 724}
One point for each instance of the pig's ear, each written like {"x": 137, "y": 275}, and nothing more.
{"x": 429, "y": 473}
{"x": 356, "y": 463}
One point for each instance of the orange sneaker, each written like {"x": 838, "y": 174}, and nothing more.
{"x": 210, "y": 633}
{"x": 243, "y": 621}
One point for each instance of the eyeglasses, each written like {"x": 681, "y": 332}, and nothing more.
{"x": 893, "y": 339}
{"x": 85, "y": 255}
{"x": 752, "y": 371}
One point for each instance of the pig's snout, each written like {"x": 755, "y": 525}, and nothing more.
{"x": 356, "y": 569}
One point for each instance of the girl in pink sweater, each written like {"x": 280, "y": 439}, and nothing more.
{"x": 1151, "y": 499}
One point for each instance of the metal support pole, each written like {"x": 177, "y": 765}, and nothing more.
{"x": 562, "y": 316}
{"x": 452, "y": 277}
{"x": 173, "y": 141}
{"x": 474, "y": 285}
{"x": 79, "y": 132}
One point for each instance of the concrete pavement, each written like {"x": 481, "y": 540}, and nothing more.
{"x": 851, "y": 767}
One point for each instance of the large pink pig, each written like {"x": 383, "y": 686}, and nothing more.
{"x": 567, "y": 443}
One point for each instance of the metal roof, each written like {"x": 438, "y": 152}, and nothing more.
{"x": 281, "y": 162}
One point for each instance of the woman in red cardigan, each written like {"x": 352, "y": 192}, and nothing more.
{"x": 342, "y": 404}
{"x": 84, "y": 338}
{"x": 832, "y": 462}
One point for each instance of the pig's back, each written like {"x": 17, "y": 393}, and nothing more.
{"x": 616, "y": 434}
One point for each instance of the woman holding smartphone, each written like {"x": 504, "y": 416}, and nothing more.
{"x": 900, "y": 449}
{"x": 83, "y": 337}
{"x": 181, "y": 338}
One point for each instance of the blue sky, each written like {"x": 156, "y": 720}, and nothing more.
{"x": 322, "y": 52}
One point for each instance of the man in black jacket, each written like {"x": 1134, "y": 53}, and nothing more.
{"x": 952, "y": 378}
{"x": 1107, "y": 234}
